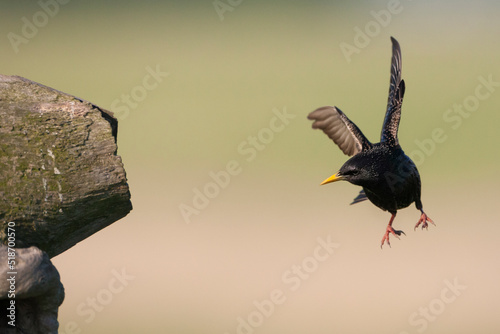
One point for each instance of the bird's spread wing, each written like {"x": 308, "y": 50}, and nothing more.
{"x": 360, "y": 198}
{"x": 340, "y": 129}
{"x": 396, "y": 92}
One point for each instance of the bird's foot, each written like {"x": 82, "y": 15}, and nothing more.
{"x": 392, "y": 231}
{"x": 423, "y": 220}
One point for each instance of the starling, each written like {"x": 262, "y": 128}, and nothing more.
{"x": 389, "y": 178}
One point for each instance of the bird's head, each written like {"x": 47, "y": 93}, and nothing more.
{"x": 355, "y": 170}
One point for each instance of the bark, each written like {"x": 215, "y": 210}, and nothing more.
{"x": 61, "y": 179}
{"x": 60, "y": 182}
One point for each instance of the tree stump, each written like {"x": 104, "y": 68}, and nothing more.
{"x": 61, "y": 179}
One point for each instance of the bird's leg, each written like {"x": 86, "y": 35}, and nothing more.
{"x": 423, "y": 220}
{"x": 392, "y": 231}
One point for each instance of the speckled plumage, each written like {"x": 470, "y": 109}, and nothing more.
{"x": 389, "y": 178}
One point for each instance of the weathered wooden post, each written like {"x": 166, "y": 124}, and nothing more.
{"x": 60, "y": 182}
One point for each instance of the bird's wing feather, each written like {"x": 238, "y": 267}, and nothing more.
{"x": 340, "y": 129}
{"x": 360, "y": 198}
{"x": 396, "y": 93}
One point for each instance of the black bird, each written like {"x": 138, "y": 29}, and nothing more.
{"x": 389, "y": 178}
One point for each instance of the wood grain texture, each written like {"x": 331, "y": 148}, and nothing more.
{"x": 61, "y": 179}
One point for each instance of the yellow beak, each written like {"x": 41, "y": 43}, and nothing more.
{"x": 333, "y": 178}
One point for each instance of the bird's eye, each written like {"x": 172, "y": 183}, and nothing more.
{"x": 350, "y": 172}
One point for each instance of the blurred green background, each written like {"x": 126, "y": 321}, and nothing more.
{"x": 232, "y": 65}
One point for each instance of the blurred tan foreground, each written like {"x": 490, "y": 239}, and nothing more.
{"x": 248, "y": 266}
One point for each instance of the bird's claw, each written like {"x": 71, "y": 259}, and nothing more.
{"x": 399, "y": 232}
{"x": 423, "y": 220}
{"x": 392, "y": 231}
